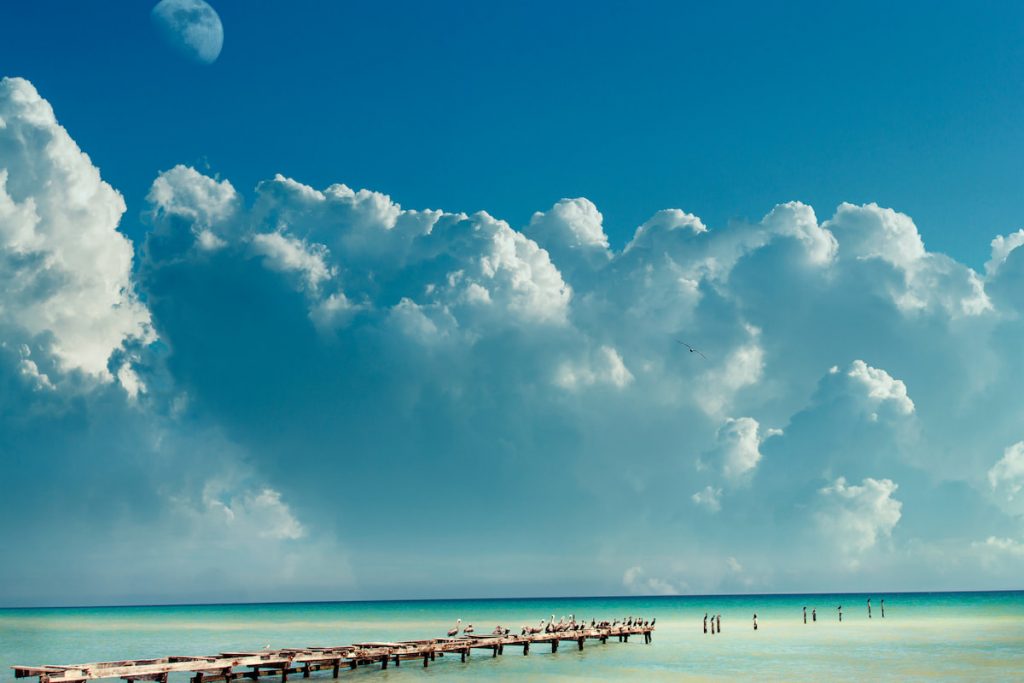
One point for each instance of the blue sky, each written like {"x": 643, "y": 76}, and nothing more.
{"x": 723, "y": 108}
{"x": 450, "y": 381}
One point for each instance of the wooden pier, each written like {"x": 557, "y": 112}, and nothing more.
{"x": 229, "y": 666}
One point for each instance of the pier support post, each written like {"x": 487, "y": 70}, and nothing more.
{"x": 255, "y": 666}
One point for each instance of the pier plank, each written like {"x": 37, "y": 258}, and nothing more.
{"x": 283, "y": 662}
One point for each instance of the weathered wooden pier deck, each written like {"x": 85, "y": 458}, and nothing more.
{"x": 304, "y": 661}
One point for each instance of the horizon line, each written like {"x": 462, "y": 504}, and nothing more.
{"x": 504, "y": 599}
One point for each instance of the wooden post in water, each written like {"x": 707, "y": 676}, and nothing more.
{"x": 230, "y": 666}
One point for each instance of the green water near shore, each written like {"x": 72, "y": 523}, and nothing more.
{"x": 946, "y": 636}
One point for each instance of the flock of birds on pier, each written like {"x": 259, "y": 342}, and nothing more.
{"x": 550, "y": 626}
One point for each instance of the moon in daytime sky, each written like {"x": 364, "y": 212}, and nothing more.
{"x": 191, "y": 27}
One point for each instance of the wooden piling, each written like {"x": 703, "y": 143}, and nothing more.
{"x": 260, "y": 664}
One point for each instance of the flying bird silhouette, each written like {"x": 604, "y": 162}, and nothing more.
{"x": 692, "y": 350}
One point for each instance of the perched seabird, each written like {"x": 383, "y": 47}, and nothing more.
{"x": 468, "y": 629}
{"x": 692, "y": 349}
{"x": 455, "y": 631}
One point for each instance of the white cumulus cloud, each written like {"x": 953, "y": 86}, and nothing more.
{"x": 424, "y": 337}
{"x": 855, "y": 517}
{"x": 64, "y": 267}
{"x": 1009, "y": 471}
{"x": 881, "y": 386}
{"x": 287, "y": 253}
{"x": 737, "y": 448}
{"x": 709, "y": 498}
{"x": 1002, "y": 246}
{"x": 572, "y": 232}
{"x": 637, "y": 582}
{"x": 261, "y": 513}
{"x": 605, "y": 366}
{"x": 205, "y": 203}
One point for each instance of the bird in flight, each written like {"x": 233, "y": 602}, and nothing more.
{"x": 692, "y": 350}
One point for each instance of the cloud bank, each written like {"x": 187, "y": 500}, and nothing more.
{"x": 293, "y": 372}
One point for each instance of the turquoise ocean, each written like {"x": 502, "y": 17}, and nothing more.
{"x": 924, "y": 636}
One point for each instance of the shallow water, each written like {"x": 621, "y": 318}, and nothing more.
{"x": 952, "y": 636}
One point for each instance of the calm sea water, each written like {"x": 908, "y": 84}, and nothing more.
{"x": 951, "y": 636}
